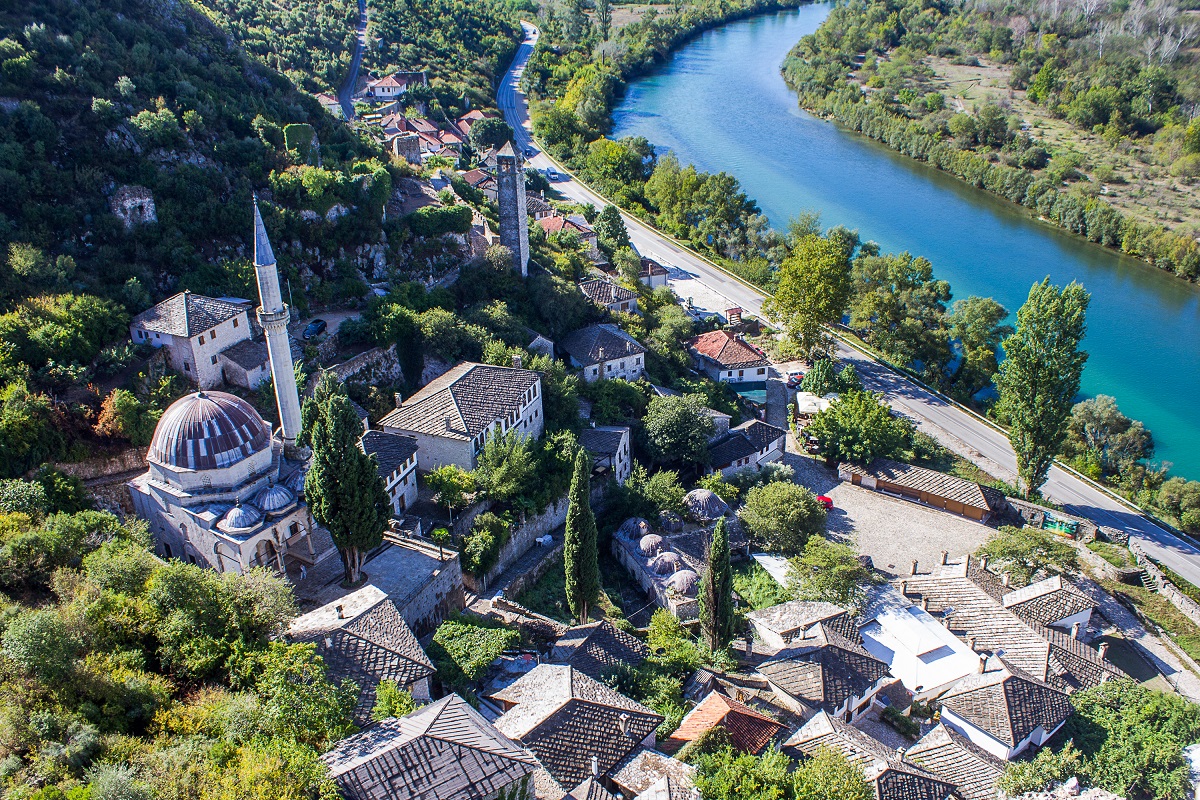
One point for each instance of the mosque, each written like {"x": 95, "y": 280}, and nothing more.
{"x": 223, "y": 490}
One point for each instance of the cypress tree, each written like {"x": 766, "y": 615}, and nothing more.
{"x": 716, "y": 591}
{"x": 580, "y": 557}
{"x": 343, "y": 488}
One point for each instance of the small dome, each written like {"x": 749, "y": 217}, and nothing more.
{"x": 650, "y": 544}
{"x": 685, "y": 582}
{"x": 634, "y": 528}
{"x": 240, "y": 518}
{"x": 295, "y": 481}
{"x": 275, "y": 498}
{"x": 208, "y": 430}
{"x": 666, "y": 563}
{"x": 704, "y": 504}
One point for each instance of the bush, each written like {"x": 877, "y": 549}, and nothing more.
{"x": 481, "y": 548}
{"x": 41, "y": 644}
{"x": 1028, "y": 554}
{"x": 903, "y": 725}
{"x": 781, "y": 516}
{"x": 463, "y": 650}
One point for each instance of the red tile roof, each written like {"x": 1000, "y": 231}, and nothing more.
{"x": 725, "y": 348}
{"x": 749, "y": 731}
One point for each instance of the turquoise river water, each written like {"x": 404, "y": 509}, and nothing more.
{"x": 721, "y": 104}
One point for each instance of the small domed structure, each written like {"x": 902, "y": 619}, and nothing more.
{"x": 650, "y": 544}
{"x": 666, "y": 563}
{"x": 275, "y": 498}
{"x": 240, "y": 518}
{"x": 295, "y": 481}
{"x": 208, "y": 430}
{"x": 685, "y": 581}
{"x": 634, "y": 528}
{"x": 703, "y": 504}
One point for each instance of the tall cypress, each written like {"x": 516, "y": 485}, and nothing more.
{"x": 716, "y": 591}
{"x": 580, "y": 556}
{"x": 343, "y": 488}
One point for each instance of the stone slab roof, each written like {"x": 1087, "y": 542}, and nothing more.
{"x": 603, "y": 441}
{"x": 187, "y": 314}
{"x": 792, "y": 618}
{"x": 596, "y": 344}
{"x": 749, "y": 731}
{"x": 391, "y": 450}
{"x": 1008, "y": 704}
{"x": 604, "y": 292}
{"x": 824, "y": 674}
{"x": 747, "y": 439}
{"x": 956, "y": 759}
{"x": 590, "y": 789}
{"x": 1048, "y": 601}
{"x": 464, "y": 401}
{"x": 726, "y": 349}
{"x": 647, "y": 773}
{"x": 446, "y": 749}
{"x": 930, "y": 481}
{"x": 597, "y": 647}
{"x": 248, "y": 353}
{"x": 651, "y": 268}
{"x": 535, "y": 204}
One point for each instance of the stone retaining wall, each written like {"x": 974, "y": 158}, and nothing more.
{"x": 1186, "y": 605}
{"x": 520, "y": 539}
{"x": 90, "y": 469}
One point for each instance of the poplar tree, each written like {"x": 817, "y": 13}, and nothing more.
{"x": 343, "y": 488}
{"x": 716, "y": 591}
{"x": 580, "y": 556}
{"x": 1039, "y": 378}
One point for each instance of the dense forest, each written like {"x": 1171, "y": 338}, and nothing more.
{"x": 1083, "y": 112}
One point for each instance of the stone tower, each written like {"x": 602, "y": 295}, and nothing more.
{"x": 514, "y": 222}
{"x": 273, "y": 316}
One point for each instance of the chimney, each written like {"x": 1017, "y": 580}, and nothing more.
{"x": 1103, "y": 648}
{"x": 924, "y": 603}
{"x": 1005, "y": 579}
{"x": 914, "y": 567}
{"x": 329, "y": 642}
{"x": 982, "y": 663}
{"x": 1074, "y": 630}
{"x": 595, "y": 767}
{"x": 903, "y": 587}
{"x": 971, "y": 643}
{"x": 983, "y": 562}
{"x": 447, "y": 421}
{"x": 399, "y": 400}
{"x": 900, "y": 751}
{"x": 945, "y": 556}
{"x": 623, "y": 721}
{"x": 341, "y": 611}
{"x": 517, "y": 361}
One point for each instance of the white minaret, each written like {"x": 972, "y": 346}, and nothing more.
{"x": 273, "y": 316}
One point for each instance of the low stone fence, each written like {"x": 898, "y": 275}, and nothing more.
{"x": 1036, "y": 517}
{"x": 1186, "y": 605}
{"x": 522, "y": 582}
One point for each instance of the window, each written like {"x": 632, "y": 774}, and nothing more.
{"x": 156, "y": 336}
{"x": 212, "y": 334}
{"x": 741, "y": 373}
{"x": 201, "y": 340}
{"x": 622, "y": 365}
{"x": 187, "y": 367}
{"x": 214, "y": 360}
{"x": 762, "y": 370}
{"x": 235, "y": 322}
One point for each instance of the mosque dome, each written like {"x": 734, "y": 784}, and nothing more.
{"x": 685, "y": 582}
{"x": 274, "y": 498}
{"x": 208, "y": 430}
{"x": 650, "y": 544}
{"x": 240, "y": 518}
{"x": 295, "y": 481}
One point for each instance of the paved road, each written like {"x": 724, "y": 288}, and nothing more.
{"x": 345, "y": 94}
{"x": 905, "y": 396}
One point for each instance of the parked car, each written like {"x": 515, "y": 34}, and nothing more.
{"x": 794, "y": 379}
{"x": 314, "y": 328}
{"x": 825, "y": 501}
{"x": 530, "y": 152}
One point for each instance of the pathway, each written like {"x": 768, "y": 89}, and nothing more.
{"x": 346, "y": 93}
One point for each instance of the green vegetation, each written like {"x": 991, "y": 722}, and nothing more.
{"x": 812, "y": 293}
{"x": 1106, "y": 87}
{"x": 782, "y": 516}
{"x": 1116, "y": 555}
{"x": 716, "y": 592}
{"x": 859, "y": 427}
{"x": 726, "y": 774}
{"x": 1028, "y": 554}
{"x": 580, "y": 554}
{"x": 464, "y": 647}
{"x": 678, "y": 429}
{"x": 830, "y": 572}
{"x": 756, "y": 586}
{"x": 392, "y": 701}
{"x": 1162, "y": 613}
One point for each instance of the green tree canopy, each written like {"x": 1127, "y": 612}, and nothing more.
{"x": 830, "y": 572}
{"x": 1028, "y": 554}
{"x": 781, "y": 516}
{"x": 978, "y": 324}
{"x": 814, "y": 289}
{"x": 677, "y": 429}
{"x": 490, "y": 132}
{"x": 1097, "y": 432}
{"x": 580, "y": 551}
{"x": 859, "y": 427}
{"x": 716, "y": 591}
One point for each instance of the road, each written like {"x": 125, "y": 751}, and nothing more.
{"x": 345, "y": 94}
{"x": 906, "y": 397}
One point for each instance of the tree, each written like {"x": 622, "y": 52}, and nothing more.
{"x": 42, "y": 644}
{"x": 828, "y": 775}
{"x": 1040, "y": 377}
{"x": 490, "y": 132}
{"x": 814, "y": 289}
{"x": 603, "y": 18}
{"x": 821, "y": 379}
{"x": 978, "y": 324}
{"x": 327, "y": 386}
{"x": 1098, "y": 432}
{"x": 499, "y": 258}
{"x": 716, "y": 592}
{"x": 123, "y": 416}
{"x": 830, "y": 572}
{"x": 610, "y": 228}
{"x": 782, "y": 516}
{"x": 859, "y": 427}
{"x": 343, "y": 487}
{"x": 440, "y": 537}
{"x": 505, "y": 466}
{"x": 677, "y": 429}
{"x": 731, "y": 775}
{"x": 23, "y": 497}
{"x": 392, "y": 701}
{"x": 1048, "y": 768}
{"x": 1028, "y": 554}
{"x": 580, "y": 556}
{"x": 452, "y": 486}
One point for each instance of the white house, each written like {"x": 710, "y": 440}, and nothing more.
{"x": 195, "y": 330}
{"x": 609, "y": 295}
{"x": 604, "y": 352}
{"x": 748, "y": 446}
{"x": 723, "y": 356}
{"x": 396, "y": 458}
{"x": 1004, "y": 710}
{"x": 609, "y": 446}
{"x": 392, "y": 86}
{"x": 653, "y": 274}
{"x": 454, "y": 415}
{"x": 1054, "y": 602}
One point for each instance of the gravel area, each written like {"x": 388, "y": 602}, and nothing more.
{"x": 891, "y": 531}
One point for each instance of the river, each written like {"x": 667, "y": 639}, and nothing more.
{"x": 720, "y": 103}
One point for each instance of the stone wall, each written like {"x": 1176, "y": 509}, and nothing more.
{"x": 441, "y": 596}
{"x": 1186, "y": 605}
{"x": 519, "y": 541}
{"x": 378, "y": 365}
{"x": 130, "y": 460}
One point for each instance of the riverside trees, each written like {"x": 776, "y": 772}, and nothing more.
{"x": 814, "y": 288}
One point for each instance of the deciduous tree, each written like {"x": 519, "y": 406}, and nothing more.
{"x": 677, "y": 429}
{"x": 782, "y": 516}
{"x": 978, "y": 324}
{"x": 814, "y": 288}
{"x": 830, "y": 572}
{"x": 859, "y": 427}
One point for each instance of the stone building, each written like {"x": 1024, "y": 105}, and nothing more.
{"x": 604, "y": 352}
{"x": 396, "y": 460}
{"x": 195, "y": 331}
{"x": 510, "y": 191}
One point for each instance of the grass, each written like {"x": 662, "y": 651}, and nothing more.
{"x": 757, "y": 587}
{"x": 548, "y": 596}
{"x": 1181, "y": 583}
{"x": 1162, "y": 613}
{"x": 1116, "y": 555}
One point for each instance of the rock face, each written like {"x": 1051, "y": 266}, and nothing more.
{"x": 134, "y": 205}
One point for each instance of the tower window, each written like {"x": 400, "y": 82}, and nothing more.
{"x": 235, "y": 322}
{"x": 201, "y": 340}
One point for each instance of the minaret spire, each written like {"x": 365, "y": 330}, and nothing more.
{"x": 273, "y": 315}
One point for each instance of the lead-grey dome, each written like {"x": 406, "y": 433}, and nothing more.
{"x": 685, "y": 582}
{"x": 275, "y": 498}
{"x": 666, "y": 563}
{"x": 240, "y": 518}
{"x": 208, "y": 430}
{"x": 634, "y": 528}
{"x": 650, "y": 544}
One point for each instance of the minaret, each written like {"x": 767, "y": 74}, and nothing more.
{"x": 510, "y": 196}
{"x": 273, "y": 317}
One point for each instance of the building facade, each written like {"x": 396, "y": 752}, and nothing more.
{"x": 396, "y": 460}
{"x": 194, "y": 331}
{"x": 604, "y": 352}
{"x": 723, "y": 356}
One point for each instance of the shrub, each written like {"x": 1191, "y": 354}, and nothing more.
{"x": 463, "y": 650}
{"x": 781, "y": 516}
{"x": 481, "y": 547}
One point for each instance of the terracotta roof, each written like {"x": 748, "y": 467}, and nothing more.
{"x": 894, "y": 777}
{"x": 368, "y": 643}
{"x": 1008, "y": 704}
{"x": 208, "y": 430}
{"x": 1048, "y": 601}
{"x": 930, "y": 481}
{"x": 446, "y": 749}
{"x": 597, "y": 647}
{"x": 557, "y": 224}
{"x": 605, "y": 292}
{"x": 749, "y": 731}
{"x": 726, "y": 349}
{"x": 956, "y": 759}
{"x": 391, "y": 450}
{"x": 566, "y": 718}
{"x": 399, "y": 79}
{"x": 746, "y": 440}
{"x": 595, "y": 344}
{"x": 649, "y": 774}
{"x": 791, "y": 619}
{"x": 187, "y": 314}
{"x": 825, "y": 674}
{"x": 464, "y": 401}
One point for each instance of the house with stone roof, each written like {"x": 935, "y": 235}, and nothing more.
{"x": 653, "y": 274}
{"x": 454, "y": 415}
{"x": 609, "y": 295}
{"x": 927, "y": 486}
{"x": 723, "y": 356}
{"x": 1053, "y": 602}
{"x": 780, "y": 626}
{"x": 1004, "y": 710}
{"x": 576, "y": 726}
{"x": 609, "y": 446}
{"x": 827, "y": 672}
{"x": 396, "y": 462}
{"x": 363, "y": 638}
{"x": 649, "y": 775}
{"x": 891, "y": 773}
{"x": 973, "y": 771}
{"x": 445, "y": 750}
{"x": 590, "y": 789}
{"x": 598, "y": 647}
{"x": 604, "y": 352}
{"x": 747, "y": 446}
{"x": 195, "y": 330}
{"x": 537, "y": 207}
{"x": 749, "y": 731}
